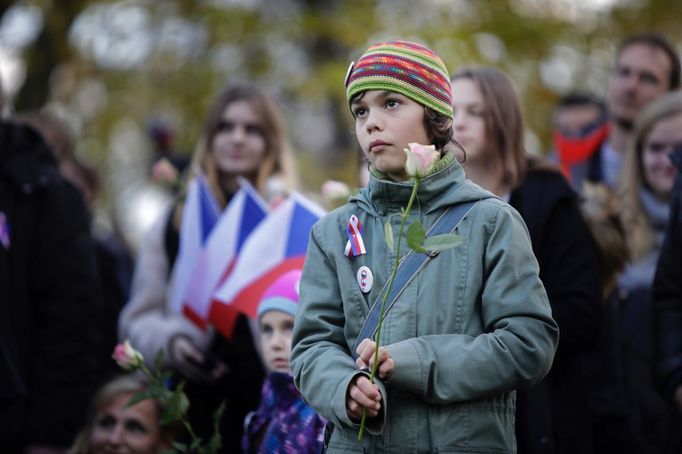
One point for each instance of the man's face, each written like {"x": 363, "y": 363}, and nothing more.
{"x": 641, "y": 75}
{"x": 572, "y": 120}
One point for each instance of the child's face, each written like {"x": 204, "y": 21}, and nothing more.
{"x": 385, "y": 122}
{"x": 275, "y": 338}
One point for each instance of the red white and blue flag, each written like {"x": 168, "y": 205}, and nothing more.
{"x": 199, "y": 214}
{"x": 220, "y": 250}
{"x": 276, "y": 246}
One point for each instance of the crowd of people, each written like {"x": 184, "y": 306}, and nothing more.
{"x": 554, "y": 326}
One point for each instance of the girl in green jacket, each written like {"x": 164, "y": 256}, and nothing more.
{"x": 467, "y": 329}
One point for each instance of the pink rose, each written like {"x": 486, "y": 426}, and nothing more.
{"x": 420, "y": 159}
{"x": 127, "y": 357}
{"x": 332, "y": 189}
{"x": 164, "y": 172}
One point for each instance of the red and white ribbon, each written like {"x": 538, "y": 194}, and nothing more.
{"x": 355, "y": 245}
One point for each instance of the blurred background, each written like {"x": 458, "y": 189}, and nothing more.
{"x": 127, "y": 75}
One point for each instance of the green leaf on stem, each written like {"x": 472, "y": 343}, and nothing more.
{"x": 415, "y": 236}
{"x": 388, "y": 234}
{"x": 138, "y": 397}
{"x": 176, "y": 406}
{"x": 180, "y": 447}
{"x": 196, "y": 443}
{"x": 158, "y": 360}
{"x": 157, "y": 389}
{"x": 442, "y": 242}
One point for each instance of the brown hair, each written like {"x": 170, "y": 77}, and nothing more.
{"x": 637, "y": 229}
{"x": 658, "y": 41}
{"x": 503, "y": 118}
{"x": 277, "y": 160}
{"x": 54, "y": 131}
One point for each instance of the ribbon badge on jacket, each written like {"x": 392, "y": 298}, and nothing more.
{"x": 355, "y": 245}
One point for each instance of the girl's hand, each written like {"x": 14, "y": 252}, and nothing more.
{"x": 362, "y": 394}
{"x": 366, "y": 351}
{"x": 187, "y": 359}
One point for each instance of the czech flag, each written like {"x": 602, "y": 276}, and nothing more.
{"x": 216, "y": 260}
{"x": 199, "y": 214}
{"x": 276, "y": 246}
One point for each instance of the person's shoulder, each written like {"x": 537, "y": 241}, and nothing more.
{"x": 546, "y": 182}
{"x": 26, "y": 159}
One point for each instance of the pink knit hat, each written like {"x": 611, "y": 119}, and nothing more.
{"x": 282, "y": 295}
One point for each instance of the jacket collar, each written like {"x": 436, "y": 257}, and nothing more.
{"x": 446, "y": 185}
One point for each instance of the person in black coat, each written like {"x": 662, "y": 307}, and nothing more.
{"x": 48, "y": 296}
{"x": 667, "y": 299}
{"x": 114, "y": 264}
{"x": 551, "y": 417}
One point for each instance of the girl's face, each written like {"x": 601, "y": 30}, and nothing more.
{"x": 127, "y": 430}
{"x": 275, "y": 338}
{"x": 468, "y": 126}
{"x": 385, "y": 122}
{"x": 659, "y": 171}
{"x": 238, "y": 146}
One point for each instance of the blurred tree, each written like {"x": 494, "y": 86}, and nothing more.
{"x": 129, "y": 60}
{"x": 50, "y": 49}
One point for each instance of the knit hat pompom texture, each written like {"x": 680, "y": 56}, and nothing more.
{"x": 407, "y": 68}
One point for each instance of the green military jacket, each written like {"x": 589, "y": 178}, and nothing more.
{"x": 472, "y": 327}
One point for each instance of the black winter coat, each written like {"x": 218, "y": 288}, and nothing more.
{"x": 553, "y": 416}
{"x": 48, "y": 297}
{"x": 667, "y": 296}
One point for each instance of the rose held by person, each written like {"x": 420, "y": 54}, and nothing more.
{"x": 420, "y": 159}
{"x": 127, "y": 357}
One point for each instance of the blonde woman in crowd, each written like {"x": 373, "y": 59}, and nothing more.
{"x": 243, "y": 136}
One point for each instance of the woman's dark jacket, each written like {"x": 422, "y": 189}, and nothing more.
{"x": 553, "y": 416}
{"x": 48, "y": 297}
{"x": 667, "y": 299}
{"x": 667, "y": 295}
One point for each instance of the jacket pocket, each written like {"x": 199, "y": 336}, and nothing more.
{"x": 339, "y": 448}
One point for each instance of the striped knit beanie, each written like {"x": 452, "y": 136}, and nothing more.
{"x": 407, "y": 68}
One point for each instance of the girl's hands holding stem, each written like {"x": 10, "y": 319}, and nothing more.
{"x": 366, "y": 351}
{"x": 362, "y": 393}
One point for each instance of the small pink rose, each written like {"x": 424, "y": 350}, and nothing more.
{"x": 332, "y": 189}
{"x": 164, "y": 172}
{"x": 420, "y": 159}
{"x": 127, "y": 357}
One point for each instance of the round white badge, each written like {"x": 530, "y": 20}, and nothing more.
{"x": 365, "y": 279}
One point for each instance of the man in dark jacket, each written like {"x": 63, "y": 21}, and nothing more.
{"x": 647, "y": 66}
{"x": 48, "y": 297}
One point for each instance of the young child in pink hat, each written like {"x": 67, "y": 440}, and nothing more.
{"x": 283, "y": 423}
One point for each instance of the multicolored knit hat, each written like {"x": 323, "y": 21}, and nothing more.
{"x": 282, "y": 295}
{"x": 407, "y": 68}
